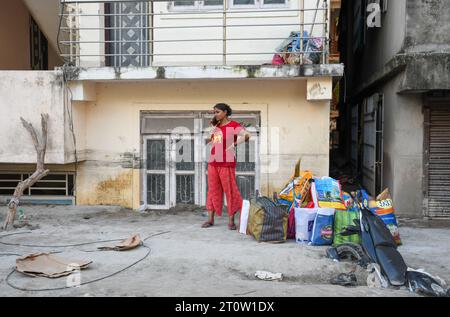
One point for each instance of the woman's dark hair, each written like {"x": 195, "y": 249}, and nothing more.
{"x": 224, "y": 107}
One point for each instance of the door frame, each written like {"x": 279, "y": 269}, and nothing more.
{"x": 373, "y": 175}
{"x": 166, "y": 172}
{"x": 173, "y": 171}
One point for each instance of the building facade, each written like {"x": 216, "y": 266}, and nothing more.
{"x": 131, "y": 101}
{"x": 396, "y": 102}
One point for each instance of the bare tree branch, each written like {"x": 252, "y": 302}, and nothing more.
{"x": 37, "y": 175}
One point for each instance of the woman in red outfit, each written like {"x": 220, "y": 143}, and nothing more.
{"x": 226, "y": 135}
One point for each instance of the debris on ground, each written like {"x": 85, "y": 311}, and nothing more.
{"x": 333, "y": 254}
{"x": 357, "y": 226}
{"x": 345, "y": 279}
{"x": 25, "y": 224}
{"x": 269, "y": 276}
{"x": 48, "y": 265}
{"x": 424, "y": 283}
{"x": 375, "y": 279}
{"x": 130, "y": 243}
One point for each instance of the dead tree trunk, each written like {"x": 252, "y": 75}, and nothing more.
{"x": 40, "y": 146}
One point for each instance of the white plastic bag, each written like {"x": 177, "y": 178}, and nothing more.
{"x": 244, "y": 216}
{"x": 304, "y": 221}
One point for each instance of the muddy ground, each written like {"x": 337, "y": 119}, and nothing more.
{"x": 189, "y": 261}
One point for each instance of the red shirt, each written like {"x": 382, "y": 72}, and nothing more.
{"x": 222, "y": 138}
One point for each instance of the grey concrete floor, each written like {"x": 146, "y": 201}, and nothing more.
{"x": 190, "y": 261}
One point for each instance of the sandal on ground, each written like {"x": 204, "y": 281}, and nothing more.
{"x": 232, "y": 226}
{"x": 207, "y": 224}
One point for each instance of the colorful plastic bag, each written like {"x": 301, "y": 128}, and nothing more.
{"x": 299, "y": 183}
{"x": 349, "y": 203}
{"x": 343, "y": 219}
{"x": 304, "y": 218}
{"x": 291, "y": 224}
{"x": 383, "y": 207}
{"x": 322, "y": 232}
{"x": 329, "y": 193}
{"x": 277, "y": 60}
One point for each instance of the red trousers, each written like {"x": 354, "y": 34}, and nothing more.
{"x": 220, "y": 180}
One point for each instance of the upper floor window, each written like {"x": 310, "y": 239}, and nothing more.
{"x": 196, "y": 5}
{"x": 257, "y": 3}
{"x": 274, "y": 2}
{"x": 232, "y": 4}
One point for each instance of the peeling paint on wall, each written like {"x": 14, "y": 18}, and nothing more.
{"x": 116, "y": 190}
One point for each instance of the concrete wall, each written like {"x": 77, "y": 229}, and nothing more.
{"x": 382, "y": 44}
{"x": 14, "y": 36}
{"x": 110, "y": 175}
{"x": 418, "y": 32}
{"x": 27, "y": 94}
{"x": 427, "y": 26}
{"x": 403, "y": 148}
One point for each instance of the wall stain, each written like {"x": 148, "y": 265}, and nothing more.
{"x": 116, "y": 191}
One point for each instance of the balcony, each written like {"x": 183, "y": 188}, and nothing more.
{"x": 162, "y": 39}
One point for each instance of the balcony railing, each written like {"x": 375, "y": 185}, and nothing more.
{"x": 186, "y": 32}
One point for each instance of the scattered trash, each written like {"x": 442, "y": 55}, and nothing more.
{"x": 375, "y": 279}
{"x": 353, "y": 252}
{"x": 128, "y": 244}
{"x": 142, "y": 208}
{"x": 25, "y": 223}
{"x": 345, "y": 279}
{"x": 48, "y": 265}
{"x": 360, "y": 229}
{"x": 21, "y": 214}
{"x": 297, "y": 44}
{"x": 269, "y": 276}
{"x": 333, "y": 254}
{"x": 423, "y": 283}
